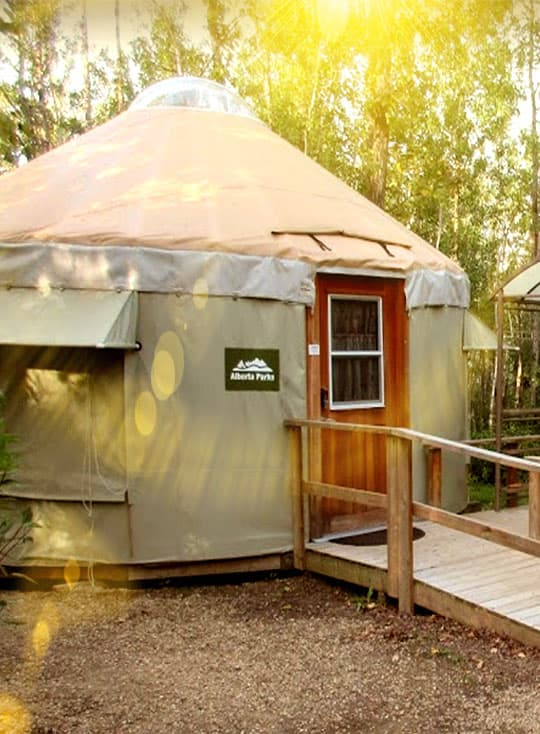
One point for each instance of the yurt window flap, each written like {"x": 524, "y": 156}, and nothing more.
{"x": 68, "y": 318}
{"x": 66, "y": 407}
{"x": 476, "y": 335}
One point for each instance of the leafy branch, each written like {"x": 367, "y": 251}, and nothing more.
{"x": 15, "y": 527}
{"x": 15, "y": 531}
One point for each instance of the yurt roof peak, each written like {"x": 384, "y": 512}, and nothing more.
{"x": 194, "y": 93}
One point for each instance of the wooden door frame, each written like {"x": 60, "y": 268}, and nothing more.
{"x": 396, "y": 373}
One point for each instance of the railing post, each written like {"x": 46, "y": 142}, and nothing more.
{"x": 499, "y": 386}
{"x": 434, "y": 489}
{"x": 534, "y": 505}
{"x": 400, "y": 550}
{"x": 314, "y": 472}
{"x": 296, "y": 474}
{"x": 392, "y": 533}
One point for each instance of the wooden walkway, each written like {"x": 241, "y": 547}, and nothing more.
{"x": 472, "y": 580}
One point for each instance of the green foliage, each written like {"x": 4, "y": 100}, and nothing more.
{"x": 15, "y": 533}
{"x": 7, "y": 458}
{"x": 34, "y": 116}
{"x": 450, "y": 154}
{"x": 110, "y": 86}
{"x": 16, "y": 526}
{"x": 167, "y": 51}
{"x": 300, "y": 80}
{"x": 481, "y": 492}
{"x": 365, "y": 602}
{"x": 416, "y": 119}
{"x": 224, "y": 33}
{"x": 442, "y": 651}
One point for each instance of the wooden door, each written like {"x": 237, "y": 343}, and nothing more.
{"x": 361, "y": 376}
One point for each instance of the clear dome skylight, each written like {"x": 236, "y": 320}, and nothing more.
{"x": 190, "y": 91}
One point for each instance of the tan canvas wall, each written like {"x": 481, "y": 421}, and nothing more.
{"x": 88, "y": 532}
{"x": 438, "y": 394}
{"x": 205, "y": 469}
{"x": 181, "y": 468}
{"x": 208, "y": 468}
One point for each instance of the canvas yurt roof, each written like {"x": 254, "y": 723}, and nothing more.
{"x": 136, "y": 202}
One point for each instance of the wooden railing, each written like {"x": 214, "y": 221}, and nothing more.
{"x": 398, "y": 500}
{"x": 526, "y": 446}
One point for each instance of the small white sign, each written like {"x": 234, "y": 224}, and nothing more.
{"x": 314, "y": 350}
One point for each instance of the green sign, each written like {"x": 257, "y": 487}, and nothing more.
{"x": 252, "y": 369}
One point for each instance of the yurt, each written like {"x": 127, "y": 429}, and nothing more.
{"x": 174, "y": 285}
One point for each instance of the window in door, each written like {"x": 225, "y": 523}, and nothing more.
{"x": 356, "y": 352}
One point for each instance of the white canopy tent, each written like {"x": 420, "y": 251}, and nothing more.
{"x": 523, "y": 291}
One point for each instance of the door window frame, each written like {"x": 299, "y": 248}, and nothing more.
{"x": 379, "y": 354}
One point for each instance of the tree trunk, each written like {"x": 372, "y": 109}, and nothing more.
{"x": 215, "y": 11}
{"x": 534, "y": 131}
{"x": 86, "y": 57}
{"x": 534, "y": 188}
{"x": 378, "y": 145}
{"x": 119, "y": 60}
{"x": 377, "y": 82}
{"x": 311, "y": 105}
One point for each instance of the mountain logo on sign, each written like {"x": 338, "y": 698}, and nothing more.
{"x": 253, "y": 369}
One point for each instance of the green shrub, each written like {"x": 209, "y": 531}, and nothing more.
{"x": 15, "y": 525}
{"x": 481, "y": 493}
{"x": 7, "y": 458}
{"x": 15, "y": 532}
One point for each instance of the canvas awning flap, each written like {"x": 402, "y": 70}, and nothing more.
{"x": 478, "y": 336}
{"x": 525, "y": 286}
{"x": 68, "y": 318}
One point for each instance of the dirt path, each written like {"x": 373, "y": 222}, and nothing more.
{"x": 286, "y": 655}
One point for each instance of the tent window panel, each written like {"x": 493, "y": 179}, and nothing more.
{"x": 66, "y": 407}
{"x": 355, "y": 379}
{"x": 356, "y": 355}
{"x": 355, "y": 326}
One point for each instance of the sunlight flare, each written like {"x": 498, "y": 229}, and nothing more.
{"x": 14, "y": 718}
{"x": 200, "y": 293}
{"x": 44, "y": 285}
{"x": 72, "y": 573}
{"x": 145, "y": 413}
{"x": 332, "y": 16}
{"x": 44, "y": 630}
{"x": 163, "y": 375}
{"x": 167, "y": 366}
{"x": 41, "y": 638}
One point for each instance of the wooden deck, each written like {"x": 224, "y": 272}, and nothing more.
{"x": 470, "y": 579}
{"x": 482, "y": 569}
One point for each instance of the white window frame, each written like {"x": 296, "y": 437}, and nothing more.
{"x": 359, "y": 404}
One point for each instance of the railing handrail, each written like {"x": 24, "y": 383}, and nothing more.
{"x": 522, "y": 438}
{"x": 400, "y": 505}
{"x": 428, "y": 439}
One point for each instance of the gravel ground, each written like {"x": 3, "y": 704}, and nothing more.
{"x": 274, "y": 655}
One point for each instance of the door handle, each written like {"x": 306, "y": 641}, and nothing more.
{"x": 324, "y": 398}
